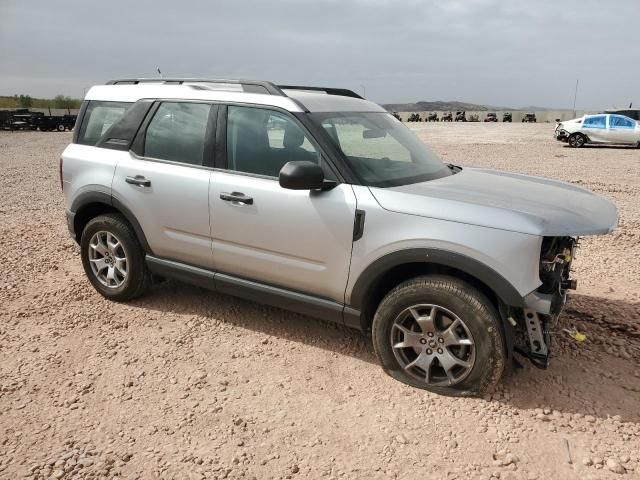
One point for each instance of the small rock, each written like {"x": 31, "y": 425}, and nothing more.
{"x": 295, "y": 469}
{"x": 57, "y": 473}
{"x": 542, "y": 417}
{"x": 590, "y": 418}
{"x": 587, "y": 462}
{"x": 613, "y": 465}
{"x": 402, "y": 439}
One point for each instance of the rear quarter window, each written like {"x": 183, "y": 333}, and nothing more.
{"x": 98, "y": 118}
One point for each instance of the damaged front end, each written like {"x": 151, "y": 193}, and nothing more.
{"x": 532, "y": 323}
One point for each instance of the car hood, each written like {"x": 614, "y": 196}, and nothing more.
{"x": 506, "y": 201}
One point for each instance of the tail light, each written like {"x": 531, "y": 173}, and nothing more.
{"x": 61, "y": 183}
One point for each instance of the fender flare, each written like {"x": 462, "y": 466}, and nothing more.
{"x": 92, "y": 197}
{"x": 371, "y": 275}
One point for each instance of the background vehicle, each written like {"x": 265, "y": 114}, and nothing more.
{"x": 415, "y": 117}
{"x": 626, "y": 112}
{"x": 491, "y": 117}
{"x": 529, "y": 118}
{"x": 447, "y": 117}
{"x": 24, "y": 120}
{"x": 433, "y": 117}
{"x": 601, "y": 128}
{"x": 474, "y": 117}
{"x": 506, "y": 117}
{"x": 49, "y": 123}
{"x": 324, "y": 204}
{"x": 461, "y": 117}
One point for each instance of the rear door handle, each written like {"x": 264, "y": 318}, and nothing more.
{"x": 138, "y": 180}
{"x": 237, "y": 197}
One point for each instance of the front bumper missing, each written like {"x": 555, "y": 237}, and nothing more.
{"x": 561, "y": 135}
{"x": 540, "y": 311}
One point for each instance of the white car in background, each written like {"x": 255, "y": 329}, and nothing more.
{"x": 601, "y": 128}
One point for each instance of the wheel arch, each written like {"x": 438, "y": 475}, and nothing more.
{"x": 394, "y": 268}
{"x": 89, "y": 205}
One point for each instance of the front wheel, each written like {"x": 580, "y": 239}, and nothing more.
{"x": 440, "y": 334}
{"x": 576, "y": 140}
{"x": 113, "y": 258}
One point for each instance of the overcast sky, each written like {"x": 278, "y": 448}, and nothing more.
{"x": 508, "y": 53}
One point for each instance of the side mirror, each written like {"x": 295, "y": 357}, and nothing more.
{"x": 301, "y": 175}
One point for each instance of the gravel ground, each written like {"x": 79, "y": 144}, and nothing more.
{"x": 185, "y": 383}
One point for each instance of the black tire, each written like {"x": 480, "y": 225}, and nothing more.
{"x": 576, "y": 140}
{"x": 138, "y": 278}
{"x": 60, "y": 128}
{"x": 469, "y": 304}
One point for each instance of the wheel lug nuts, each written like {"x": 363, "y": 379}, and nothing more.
{"x": 441, "y": 340}
{"x": 430, "y": 334}
{"x": 423, "y": 341}
{"x": 439, "y": 350}
{"x": 429, "y": 352}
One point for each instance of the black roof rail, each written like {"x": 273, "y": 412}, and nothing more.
{"x": 250, "y": 86}
{"x": 343, "y": 92}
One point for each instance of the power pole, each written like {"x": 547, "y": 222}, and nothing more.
{"x": 575, "y": 95}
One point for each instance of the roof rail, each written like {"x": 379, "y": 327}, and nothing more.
{"x": 343, "y": 92}
{"x": 249, "y": 86}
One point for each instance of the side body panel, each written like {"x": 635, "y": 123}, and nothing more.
{"x": 87, "y": 169}
{"x": 173, "y": 211}
{"x": 625, "y": 132}
{"x": 295, "y": 239}
{"x": 597, "y": 132}
{"x": 515, "y": 256}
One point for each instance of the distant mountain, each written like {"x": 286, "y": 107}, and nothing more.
{"x": 533, "y": 108}
{"x": 440, "y": 106}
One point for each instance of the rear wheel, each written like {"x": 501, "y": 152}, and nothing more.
{"x": 113, "y": 259}
{"x": 440, "y": 334}
{"x": 577, "y": 140}
{"x": 61, "y": 128}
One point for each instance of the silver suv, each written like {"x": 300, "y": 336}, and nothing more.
{"x": 318, "y": 201}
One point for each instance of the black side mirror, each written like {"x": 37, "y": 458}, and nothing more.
{"x": 301, "y": 175}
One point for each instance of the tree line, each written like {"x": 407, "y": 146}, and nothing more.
{"x": 26, "y": 101}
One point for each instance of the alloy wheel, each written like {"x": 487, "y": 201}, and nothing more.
{"x": 108, "y": 259}
{"x": 433, "y": 345}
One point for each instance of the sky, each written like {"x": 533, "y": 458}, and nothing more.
{"x": 506, "y": 53}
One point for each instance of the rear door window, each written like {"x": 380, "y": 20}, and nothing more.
{"x": 178, "y": 132}
{"x": 599, "y": 121}
{"x": 98, "y": 118}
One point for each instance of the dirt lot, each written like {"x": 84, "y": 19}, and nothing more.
{"x": 184, "y": 383}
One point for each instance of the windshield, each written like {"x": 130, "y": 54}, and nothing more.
{"x": 380, "y": 150}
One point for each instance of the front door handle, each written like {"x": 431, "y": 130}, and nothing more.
{"x": 138, "y": 180}
{"x": 237, "y": 197}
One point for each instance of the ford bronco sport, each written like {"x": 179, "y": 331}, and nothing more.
{"x": 320, "y": 202}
